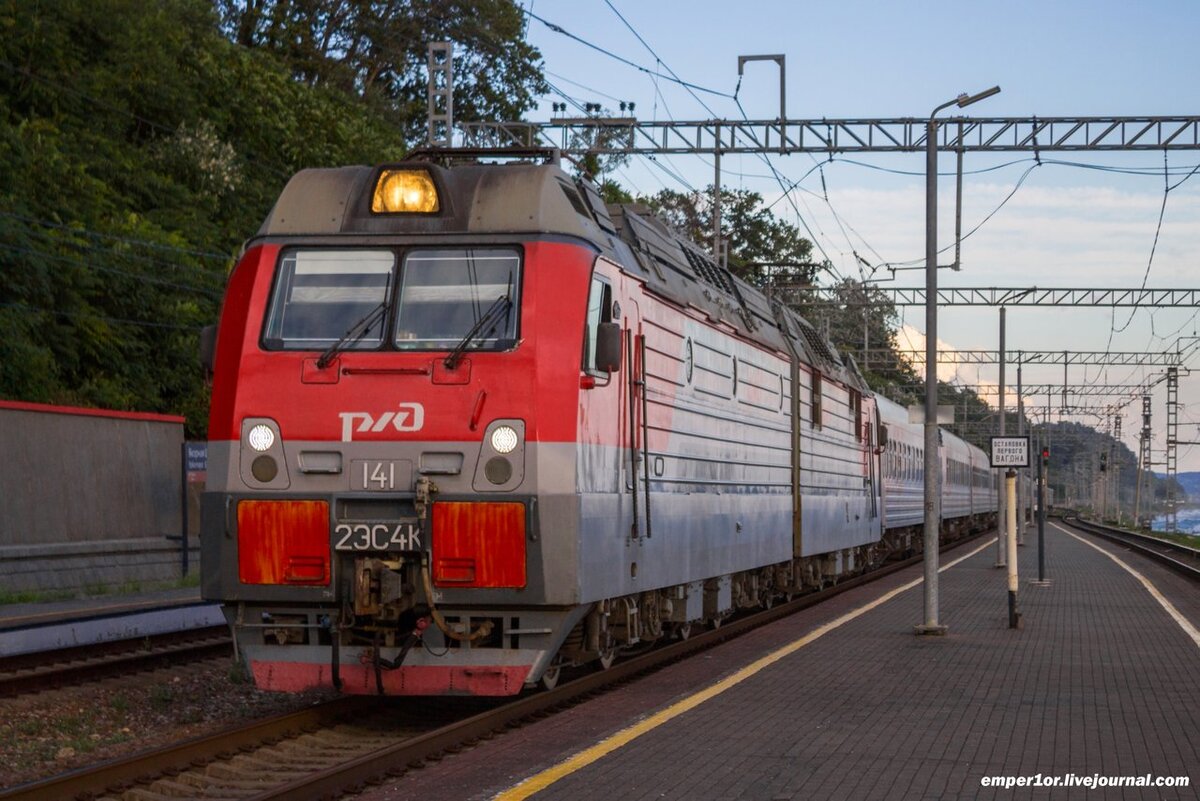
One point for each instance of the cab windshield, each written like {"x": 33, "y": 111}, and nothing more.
{"x": 321, "y": 294}
{"x": 421, "y": 299}
{"x": 444, "y": 293}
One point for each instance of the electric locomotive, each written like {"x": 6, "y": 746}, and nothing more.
{"x": 471, "y": 425}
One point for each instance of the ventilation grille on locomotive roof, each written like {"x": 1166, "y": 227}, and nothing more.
{"x": 708, "y": 272}
{"x": 816, "y": 343}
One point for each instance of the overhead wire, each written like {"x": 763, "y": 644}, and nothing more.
{"x": 207, "y": 254}
{"x": 1167, "y": 187}
{"x": 562, "y": 31}
{"x": 41, "y": 254}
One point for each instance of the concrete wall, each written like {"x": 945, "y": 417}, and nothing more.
{"x": 87, "y": 496}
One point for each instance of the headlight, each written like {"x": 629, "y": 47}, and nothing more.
{"x": 504, "y": 439}
{"x": 261, "y": 438}
{"x": 404, "y": 191}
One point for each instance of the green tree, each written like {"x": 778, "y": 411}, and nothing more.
{"x": 762, "y": 249}
{"x": 378, "y": 49}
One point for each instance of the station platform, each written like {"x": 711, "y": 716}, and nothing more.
{"x": 51, "y": 625}
{"x": 842, "y": 701}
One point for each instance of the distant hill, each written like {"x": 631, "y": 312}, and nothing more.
{"x": 1191, "y": 484}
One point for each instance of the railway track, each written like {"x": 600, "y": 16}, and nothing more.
{"x": 1180, "y": 558}
{"x": 47, "y": 670}
{"x": 343, "y": 745}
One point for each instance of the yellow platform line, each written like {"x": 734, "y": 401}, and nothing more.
{"x": 541, "y": 781}
{"x": 1183, "y": 622}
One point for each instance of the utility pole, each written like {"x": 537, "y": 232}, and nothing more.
{"x": 440, "y": 93}
{"x": 932, "y": 490}
{"x": 1001, "y": 489}
{"x": 1022, "y": 474}
{"x": 716, "y": 206}
{"x": 1143, "y": 461}
{"x": 1115, "y": 464}
{"x": 1172, "y": 440}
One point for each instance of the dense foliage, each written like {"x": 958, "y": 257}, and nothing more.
{"x": 141, "y": 145}
{"x": 377, "y": 49}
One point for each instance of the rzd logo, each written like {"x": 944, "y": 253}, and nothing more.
{"x": 410, "y": 417}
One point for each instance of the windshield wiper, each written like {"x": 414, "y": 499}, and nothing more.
{"x": 353, "y": 334}
{"x": 489, "y": 319}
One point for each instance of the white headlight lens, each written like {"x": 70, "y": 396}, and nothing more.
{"x": 261, "y": 438}
{"x": 504, "y": 439}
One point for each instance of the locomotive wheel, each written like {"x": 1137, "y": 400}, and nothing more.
{"x": 551, "y": 676}
{"x": 715, "y": 623}
{"x": 607, "y": 658}
{"x": 683, "y": 631}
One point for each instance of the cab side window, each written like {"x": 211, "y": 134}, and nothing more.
{"x": 600, "y": 309}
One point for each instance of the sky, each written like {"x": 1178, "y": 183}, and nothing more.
{"x": 1062, "y": 225}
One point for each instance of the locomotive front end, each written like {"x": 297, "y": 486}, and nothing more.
{"x": 391, "y": 496}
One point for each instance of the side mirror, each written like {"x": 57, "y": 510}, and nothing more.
{"x": 208, "y": 349}
{"x": 608, "y": 347}
{"x": 883, "y": 436}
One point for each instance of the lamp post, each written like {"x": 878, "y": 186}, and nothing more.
{"x": 933, "y": 505}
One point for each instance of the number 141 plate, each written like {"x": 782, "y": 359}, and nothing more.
{"x": 377, "y": 536}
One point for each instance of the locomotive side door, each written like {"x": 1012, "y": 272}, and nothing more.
{"x": 635, "y": 481}
{"x": 602, "y": 404}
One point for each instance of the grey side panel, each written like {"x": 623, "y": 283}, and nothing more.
{"x": 695, "y": 535}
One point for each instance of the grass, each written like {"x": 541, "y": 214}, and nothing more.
{"x": 35, "y": 596}
{"x": 1188, "y": 540}
{"x": 161, "y": 697}
{"x": 1178, "y": 539}
{"x": 97, "y": 590}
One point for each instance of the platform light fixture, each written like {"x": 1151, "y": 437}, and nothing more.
{"x": 933, "y": 510}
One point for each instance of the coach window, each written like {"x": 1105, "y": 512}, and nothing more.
{"x": 599, "y": 311}
{"x": 817, "y": 405}
{"x": 319, "y": 295}
{"x": 446, "y": 294}
{"x": 856, "y": 413}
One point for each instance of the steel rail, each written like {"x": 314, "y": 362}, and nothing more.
{"x": 94, "y": 781}
{"x": 1179, "y": 558}
{"x": 51, "y": 669}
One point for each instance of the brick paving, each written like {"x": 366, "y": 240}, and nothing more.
{"x": 1099, "y": 681}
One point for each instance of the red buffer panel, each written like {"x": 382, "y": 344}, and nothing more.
{"x": 478, "y": 544}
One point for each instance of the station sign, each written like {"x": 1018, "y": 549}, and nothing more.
{"x": 196, "y": 457}
{"x": 1010, "y": 452}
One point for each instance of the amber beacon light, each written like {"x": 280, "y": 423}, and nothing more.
{"x": 404, "y": 191}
